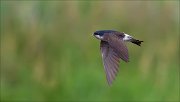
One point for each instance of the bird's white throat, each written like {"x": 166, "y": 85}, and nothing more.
{"x": 127, "y": 37}
{"x": 98, "y": 37}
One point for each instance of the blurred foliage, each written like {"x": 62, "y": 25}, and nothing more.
{"x": 48, "y": 52}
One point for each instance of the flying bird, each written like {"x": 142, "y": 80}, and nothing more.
{"x": 113, "y": 49}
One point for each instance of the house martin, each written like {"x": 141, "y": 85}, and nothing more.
{"x": 113, "y": 49}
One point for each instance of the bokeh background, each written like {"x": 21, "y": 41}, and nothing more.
{"x": 48, "y": 52}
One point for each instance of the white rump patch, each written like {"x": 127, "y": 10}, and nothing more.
{"x": 127, "y": 37}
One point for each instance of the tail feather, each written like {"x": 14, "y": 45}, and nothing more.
{"x": 137, "y": 42}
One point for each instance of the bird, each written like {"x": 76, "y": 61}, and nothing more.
{"x": 114, "y": 49}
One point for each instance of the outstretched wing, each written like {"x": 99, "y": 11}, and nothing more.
{"x": 118, "y": 45}
{"x": 110, "y": 61}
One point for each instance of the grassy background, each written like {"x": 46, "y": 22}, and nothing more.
{"x": 48, "y": 52}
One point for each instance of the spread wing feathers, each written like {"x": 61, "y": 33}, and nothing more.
{"x": 118, "y": 45}
{"x": 110, "y": 61}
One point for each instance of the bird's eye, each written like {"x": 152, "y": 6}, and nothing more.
{"x": 96, "y": 34}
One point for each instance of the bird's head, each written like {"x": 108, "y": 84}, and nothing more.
{"x": 99, "y": 34}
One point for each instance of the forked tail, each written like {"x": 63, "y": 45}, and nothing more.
{"x": 137, "y": 42}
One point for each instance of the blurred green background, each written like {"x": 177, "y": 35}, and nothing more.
{"x": 48, "y": 52}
